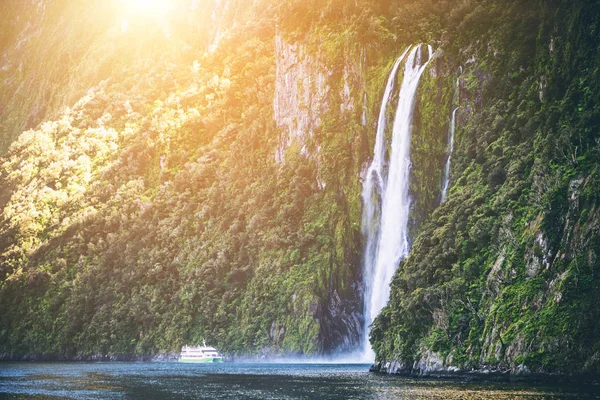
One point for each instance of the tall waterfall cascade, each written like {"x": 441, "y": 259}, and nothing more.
{"x": 385, "y": 195}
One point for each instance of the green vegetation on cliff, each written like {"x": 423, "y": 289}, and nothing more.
{"x": 153, "y": 213}
{"x": 505, "y": 272}
{"x": 169, "y": 179}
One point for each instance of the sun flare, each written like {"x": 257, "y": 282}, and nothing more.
{"x": 154, "y": 8}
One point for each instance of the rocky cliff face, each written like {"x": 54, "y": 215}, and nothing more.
{"x": 300, "y": 95}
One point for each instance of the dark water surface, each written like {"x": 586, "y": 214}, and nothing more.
{"x": 249, "y": 381}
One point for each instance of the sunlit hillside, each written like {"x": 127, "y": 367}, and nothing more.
{"x": 148, "y": 209}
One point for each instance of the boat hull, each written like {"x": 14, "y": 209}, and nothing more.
{"x": 201, "y": 360}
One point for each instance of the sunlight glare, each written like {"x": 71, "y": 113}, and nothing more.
{"x": 147, "y": 8}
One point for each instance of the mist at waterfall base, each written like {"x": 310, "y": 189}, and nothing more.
{"x": 385, "y": 196}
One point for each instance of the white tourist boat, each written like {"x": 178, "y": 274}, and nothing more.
{"x": 199, "y": 354}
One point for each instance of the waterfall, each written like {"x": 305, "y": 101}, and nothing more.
{"x": 450, "y": 151}
{"x": 386, "y": 201}
{"x": 451, "y": 141}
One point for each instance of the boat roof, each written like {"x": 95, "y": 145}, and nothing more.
{"x": 198, "y": 348}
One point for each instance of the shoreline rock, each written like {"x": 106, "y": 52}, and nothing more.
{"x": 520, "y": 374}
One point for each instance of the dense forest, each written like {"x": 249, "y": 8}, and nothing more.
{"x": 184, "y": 170}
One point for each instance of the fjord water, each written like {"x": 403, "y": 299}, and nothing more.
{"x": 386, "y": 200}
{"x": 115, "y": 380}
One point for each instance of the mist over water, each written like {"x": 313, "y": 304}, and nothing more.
{"x": 386, "y": 200}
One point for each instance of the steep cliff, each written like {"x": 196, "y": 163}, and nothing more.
{"x": 504, "y": 274}
{"x": 196, "y": 172}
{"x": 169, "y": 203}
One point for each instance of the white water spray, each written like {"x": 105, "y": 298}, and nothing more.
{"x": 450, "y": 151}
{"x": 386, "y": 201}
